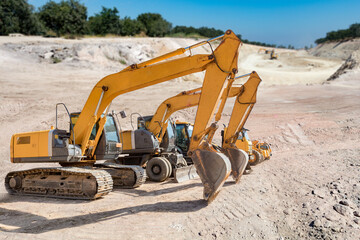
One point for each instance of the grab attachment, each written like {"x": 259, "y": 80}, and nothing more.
{"x": 238, "y": 159}
{"x": 212, "y": 167}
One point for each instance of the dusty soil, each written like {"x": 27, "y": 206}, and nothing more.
{"x": 310, "y": 189}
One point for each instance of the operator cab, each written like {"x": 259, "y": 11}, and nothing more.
{"x": 183, "y": 136}
{"x": 168, "y": 141}
{"x": 108, "y": 146}
{"x": 243, "y": 134}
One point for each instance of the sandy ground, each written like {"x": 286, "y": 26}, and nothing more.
{"x": 309, "y": 189}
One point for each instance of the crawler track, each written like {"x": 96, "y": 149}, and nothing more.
{"x": 124, "y": 176}
{"x": 62, "y": 182}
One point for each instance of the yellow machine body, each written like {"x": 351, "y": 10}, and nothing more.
{"x": 30, "y": 145}
{"x": 42, "y": 146}
{"x": 128, "y": 140}
{"x": 245, "y": 144}
{"x": 264, "y": 148}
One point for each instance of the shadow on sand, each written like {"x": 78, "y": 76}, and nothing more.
{"x": 24, "y": 222}
{"x": 137, "y": 192}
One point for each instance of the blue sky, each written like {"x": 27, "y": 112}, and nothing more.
{"x": 294, "y": 22}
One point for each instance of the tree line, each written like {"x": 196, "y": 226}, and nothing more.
{"x": 69, "y": 18}
{"x": 352, "y": 32}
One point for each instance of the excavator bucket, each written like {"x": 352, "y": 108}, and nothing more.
{"x": 239, "y": 159}
{"x": 185, "y": 173}
{"x": 213, "y": 168}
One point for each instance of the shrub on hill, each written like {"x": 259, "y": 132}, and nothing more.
{"x": 352, "y": 32}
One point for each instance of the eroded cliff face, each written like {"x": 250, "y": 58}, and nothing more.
{"x": 342, "y": 49}
{"x": 352, "y": 64}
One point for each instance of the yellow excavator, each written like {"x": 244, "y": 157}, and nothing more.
{"x": 91, "y": 134}
{"x": 272, "y": 53}
{"x": 259, "y": 151}
{"x": 162, "y": 127}
{"x": 262, "y": 148}
{"x": 266, "y": 51}
{"x": 169, "y": 159}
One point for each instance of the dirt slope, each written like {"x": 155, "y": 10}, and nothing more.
{"x": 309, "y": 189}
{"x": 342, "y": 49}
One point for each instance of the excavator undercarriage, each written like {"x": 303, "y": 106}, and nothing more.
{"x": 62, "y": 182}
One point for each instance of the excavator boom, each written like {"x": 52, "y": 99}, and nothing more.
{"x": 183, "y": 100}
{"x": 126, "y": 81}
{"x": 241, "y": 111}
{"x": 242, "y": 107}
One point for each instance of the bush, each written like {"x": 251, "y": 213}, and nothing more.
{"x": 105, "y": 22}
{"x": 155, "y": 25}
{"x": 66, "y": 17}
{"x": 203, "y": 31}
{"x": 352, "y": 32}
{"x": 17, "y": 16}
{"x": 130, "y": 27}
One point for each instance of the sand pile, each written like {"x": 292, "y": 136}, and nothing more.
{"x": 111, "y": 55}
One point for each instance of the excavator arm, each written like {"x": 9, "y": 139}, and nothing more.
{"x": 125, "y": 81}
{"x": 243, "y": 105}
{"x": 183, "y": 100}
{"x": 245, "y": 100}
{"x": 150, "y": 73}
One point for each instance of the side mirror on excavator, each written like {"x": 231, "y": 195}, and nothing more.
{"x": 122, "y": 114}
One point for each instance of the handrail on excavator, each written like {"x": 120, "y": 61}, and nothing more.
{"x": 245, "y": 75}
{"x": 173, "y": 53}
{"x": 204, "y": 42}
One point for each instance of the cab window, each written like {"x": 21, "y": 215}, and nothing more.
{"x": 110, "y": 130}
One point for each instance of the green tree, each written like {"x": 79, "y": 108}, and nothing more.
{"x": 185, "y": 30}
{"x": 66, "y": 17}
{"x": 209, "y": 32}
{"x": 17, "y": 16}
{"x": 155, "y": 25}
{"x": 107, "y": 21}
{"x": 352, "y": 32}
{"x": 131, "y": 27}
